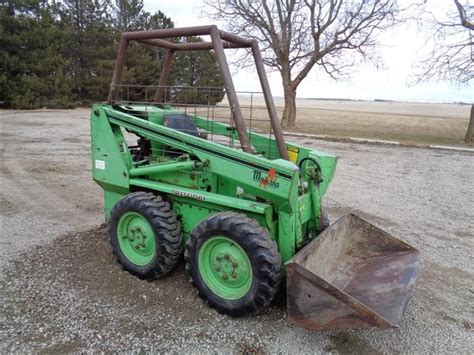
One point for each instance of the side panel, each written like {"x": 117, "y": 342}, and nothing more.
{"x": 110, "y": 199}
{"x": 191, "y": 213}
{"x": 110, "y": 156}
{"x": 286, "y": 233}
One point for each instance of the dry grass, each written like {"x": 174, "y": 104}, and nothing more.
{"x": 411, "y": 123}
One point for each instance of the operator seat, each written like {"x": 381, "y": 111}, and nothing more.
{"x": 181, "y": 122}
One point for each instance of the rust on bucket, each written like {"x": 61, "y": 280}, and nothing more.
{"x": 353, "y": 275}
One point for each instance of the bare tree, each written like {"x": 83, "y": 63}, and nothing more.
{"x": 452, "y": 55}
{"x": 468, "y": 138}
{"x": 297, "y": 35}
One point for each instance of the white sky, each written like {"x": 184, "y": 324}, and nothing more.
{"x": 401, "y": 50}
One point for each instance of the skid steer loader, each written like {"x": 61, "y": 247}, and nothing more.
{"x": 245, "y": 213}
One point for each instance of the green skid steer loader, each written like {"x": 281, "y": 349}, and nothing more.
{"x": 245, "y": 214}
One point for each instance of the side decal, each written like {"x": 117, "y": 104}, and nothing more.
{"x": 189, "y": 194}
{"x": 269, "y": 180}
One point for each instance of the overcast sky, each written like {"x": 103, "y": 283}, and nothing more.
{"x": 401, "y": 50}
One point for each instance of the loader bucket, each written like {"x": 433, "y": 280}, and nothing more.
{"x": 353, "y": 275}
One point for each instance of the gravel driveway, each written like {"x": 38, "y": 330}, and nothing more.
{"x": 63, "y": 291}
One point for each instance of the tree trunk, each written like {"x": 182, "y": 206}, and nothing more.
{"x": 289, "y": 112}
{"x": 468, "y": 138}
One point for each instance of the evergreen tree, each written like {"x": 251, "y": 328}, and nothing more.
{"x": 158, "y": 20}
{"x": 91, "y": 47}
{"x": 144, "y": 63}
{"x": 129, "y": 15}
{"x": 32, "y": 63}
{"x": 198, "y": 70}
{"x": 58, "y": 54}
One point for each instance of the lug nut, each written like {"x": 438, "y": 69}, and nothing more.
{"x": 234, "y": 264}
{"x": 217, "y": 269}
{"x": 225, "y": 277}
{"x": 227, "y": 257}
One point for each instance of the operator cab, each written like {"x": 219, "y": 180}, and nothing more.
{"x": 181, "y": 122}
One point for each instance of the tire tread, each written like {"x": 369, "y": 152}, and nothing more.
{"x": 262, "y": 251}
{"x": 166, "y": 226}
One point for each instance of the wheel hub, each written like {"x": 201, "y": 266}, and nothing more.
{"x": 136, "y": 238}
{"x": 225, "y": 267}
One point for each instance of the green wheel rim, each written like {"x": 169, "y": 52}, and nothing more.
{"x": 225, "y": 267}
{"x": 136, "y": 238}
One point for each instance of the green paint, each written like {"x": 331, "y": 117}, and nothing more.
{"x": 136, "y": 238}
{"x": 163, "y": 168}
{"x": 111, "y": 159}
{"x": 286, "y": 228}
{"x": 225, "y": 179}
{"x": 225, "y": 267}
{"x": 110, "y": 199}
{"x": 202, "y": 196}
{"x": 221, "y": 159}
{"x": 193, "y": 214}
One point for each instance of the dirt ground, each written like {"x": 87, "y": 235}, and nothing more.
{"x": 62, "y": 290}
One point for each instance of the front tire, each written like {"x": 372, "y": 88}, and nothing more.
{"x": 233, "y": 264}
{"x": 145, "y": 235}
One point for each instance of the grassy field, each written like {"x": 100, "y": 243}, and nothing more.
{"x": 411, "y": 123}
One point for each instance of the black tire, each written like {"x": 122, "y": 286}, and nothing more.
{"x": 261, "y": 251}
{"x": 166, "y": 228}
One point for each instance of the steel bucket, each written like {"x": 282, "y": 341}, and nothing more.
{"x": 353, "y": 275}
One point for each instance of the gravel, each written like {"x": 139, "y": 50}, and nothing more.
{"x": 62, "y": 290}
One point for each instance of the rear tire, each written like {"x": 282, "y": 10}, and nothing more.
{"x": 233, "y": 264}
{"x": 145, "y": 235}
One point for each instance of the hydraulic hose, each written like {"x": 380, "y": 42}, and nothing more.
{"x": 318, "y": 168}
